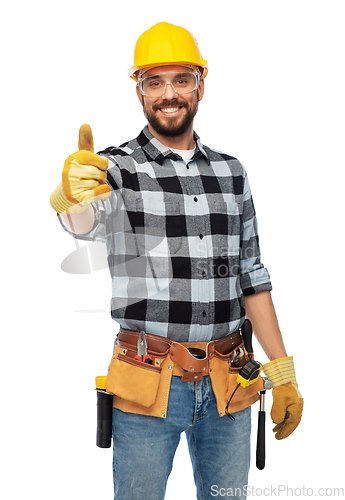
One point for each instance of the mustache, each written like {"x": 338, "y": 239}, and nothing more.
{"x": 170, "y": 104}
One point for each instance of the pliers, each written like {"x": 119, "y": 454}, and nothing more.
{"x": 142, "y": 349}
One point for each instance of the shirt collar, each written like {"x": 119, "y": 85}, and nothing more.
{"x": 156, "y": 151}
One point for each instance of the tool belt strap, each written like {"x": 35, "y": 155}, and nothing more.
{"x": 185, "y": 364}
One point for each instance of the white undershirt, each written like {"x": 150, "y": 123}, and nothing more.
{"x": 186, "y": 154}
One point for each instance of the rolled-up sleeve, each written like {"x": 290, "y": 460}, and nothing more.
{"x": 254, "y": 277}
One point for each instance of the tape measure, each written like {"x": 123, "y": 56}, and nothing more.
{"x": 248, "y": 374}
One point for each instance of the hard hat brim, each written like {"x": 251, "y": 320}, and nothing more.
{"x": 134, "y": 71}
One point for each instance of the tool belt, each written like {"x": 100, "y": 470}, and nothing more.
{"x": 139, "y": 387}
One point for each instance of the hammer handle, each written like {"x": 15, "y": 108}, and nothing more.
{"x": 260, "y": 446}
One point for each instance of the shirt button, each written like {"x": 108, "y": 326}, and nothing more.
{"x": 195, "y": 198}
{"x": 201, "y": 236}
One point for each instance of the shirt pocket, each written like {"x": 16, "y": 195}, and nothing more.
{"x": 161, "y": 233}
{"x": 226, "y": 226}
{"x": 225, "y": 217}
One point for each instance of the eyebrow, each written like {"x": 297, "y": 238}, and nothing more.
{"x": 178, "y": 75}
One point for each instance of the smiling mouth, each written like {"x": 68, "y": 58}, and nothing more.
{"x": 170, "y": 110}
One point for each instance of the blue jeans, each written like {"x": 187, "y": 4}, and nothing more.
{"x": 144, "y": 446}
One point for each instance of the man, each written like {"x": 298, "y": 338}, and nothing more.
{"x": 183, "y": 252}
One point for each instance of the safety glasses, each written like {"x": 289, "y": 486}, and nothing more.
{"x": 181, "y": 82}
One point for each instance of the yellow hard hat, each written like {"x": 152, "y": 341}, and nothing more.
{"x": 165, "y": 44}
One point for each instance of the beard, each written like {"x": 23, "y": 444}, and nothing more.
{"x": 170, "y": 127}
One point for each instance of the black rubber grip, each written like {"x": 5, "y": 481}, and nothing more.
{"x": 247, "y": 333}
{"x": 260, "y": 445}
{"x": 104, "y": 419}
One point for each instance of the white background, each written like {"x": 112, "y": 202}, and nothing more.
{"x": 274, "y": 99}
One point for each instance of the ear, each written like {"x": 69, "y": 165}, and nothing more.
{"x": 140, "y": 97}
{"x": 201, "y": 88}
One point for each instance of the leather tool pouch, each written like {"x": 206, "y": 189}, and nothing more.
{"x": 134, "y": 380}
{"x": 144, "y": 388}
{"x": 224, "y": 380}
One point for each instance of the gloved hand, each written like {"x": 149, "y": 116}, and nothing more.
{"x": 83, "y": 177}
{"x": 287, "y": 405}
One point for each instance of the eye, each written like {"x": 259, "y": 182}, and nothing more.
{"x": 182, "y": 80}
{"x": 153, "y": 83}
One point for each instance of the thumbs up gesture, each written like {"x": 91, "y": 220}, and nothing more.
{"x": 83, "y": 178}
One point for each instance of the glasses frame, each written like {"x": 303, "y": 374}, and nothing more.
{"x": 197, "y": 82}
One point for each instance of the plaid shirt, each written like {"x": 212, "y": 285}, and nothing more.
{"x": 182, "y": 240}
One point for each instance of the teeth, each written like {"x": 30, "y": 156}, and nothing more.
{"x": 169, "y": 110}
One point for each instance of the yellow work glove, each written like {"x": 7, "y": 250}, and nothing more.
{"x": 287, "y": 405}
{"x": 83, "y": 177}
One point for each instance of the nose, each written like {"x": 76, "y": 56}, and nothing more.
{"x": 169, "y": 91}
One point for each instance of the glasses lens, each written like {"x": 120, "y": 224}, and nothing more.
{"x": 155, "y": 85}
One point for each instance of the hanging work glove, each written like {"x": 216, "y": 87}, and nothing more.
{"x": 287, "y": 405}
{"x": 83, "y": 177}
